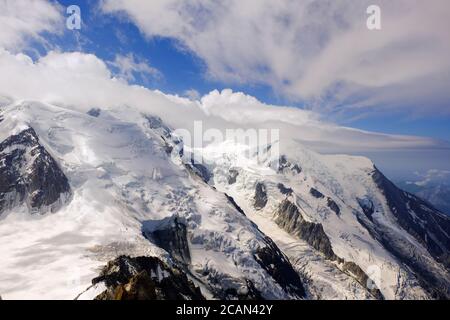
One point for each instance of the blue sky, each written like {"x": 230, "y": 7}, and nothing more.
{"x": 308, "y": 54}
{"x": 182, "y": 70}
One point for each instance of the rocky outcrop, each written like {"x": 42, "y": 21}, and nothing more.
{"x": 367, "y": 207}
{"x": 316, "y": 193}
{"x": 30, "y": 175}
{"x": 333, "y": 206}
{"x": 284, "y": 190}
{"x": 172, "y": 143}
{"x": 289, "y": 217}
{"x": 280, "y": 269}
{"x": 232, "y": 176}
{"x": 171, "y": 235}
{"x": 247, "y": 292}
{"x": 234, "y": 204}
{"x": 285, "y": 165}
{"x": 260, "y": 199}
{"x": 200, "y": 170}
{"x": 357, "y": 273}
{"x": 94, "y": 112}
{"x": 145, "y": 278}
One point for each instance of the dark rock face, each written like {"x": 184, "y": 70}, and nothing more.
{"x": 354, "y": 270}
{"x": 232, "y": 176}
{"x": 316, "y": 193}
{"x": 248, "y": 292}
{"x": 145, "y": 278}
{"x": 285, "y": 190}
{"x": 94, "y": 112}
{"x": 171, "y": 235}
{"x": 333, "y": 206}
{"x": 235, "y": 205}
{"x": 290, "y": 219}
{"x": 367, "y": 207}
{"x": 284, "y": 164}
{"x": 260, "y": 196}
{"x": 201, "y": 171}
{"x": 429, "y": 226}
{"x": 29, "y": 174}
{"x": 170, "y": 141}
{"x": 280, "y": 269}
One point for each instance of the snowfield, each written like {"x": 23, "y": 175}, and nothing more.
{"x": 125, "y": 184}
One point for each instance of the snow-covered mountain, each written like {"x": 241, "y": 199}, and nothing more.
{"x": 438, "y": 194}
{"x": 103, "y": 204}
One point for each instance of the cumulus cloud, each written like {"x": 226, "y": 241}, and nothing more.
{"x": 312, "y": 50}
{"x": 129, "y": 67}
{"x": 192, "y": 94}
{"x": 22, "y": 20}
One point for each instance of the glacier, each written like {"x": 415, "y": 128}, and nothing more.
{"x": 299, "y": 226}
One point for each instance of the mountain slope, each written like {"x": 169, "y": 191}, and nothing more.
{"x": 124, "y": 185}
{"x": 345, "y": 209}
{"x": 116, "y": 183}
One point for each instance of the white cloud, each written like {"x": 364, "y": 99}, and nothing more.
{"x": 192, "y": 94}
{"x": 21, "y": 20}
{"x": 433, "y": 177}
{"x": 129, "y": 66}
{"x": 308, "y": 50}
{"x": 83, "y": 81}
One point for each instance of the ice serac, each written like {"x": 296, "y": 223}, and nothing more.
{"x": 145, "y": 278}
{"x": 29, "y": 175}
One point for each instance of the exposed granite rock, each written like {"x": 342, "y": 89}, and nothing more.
{"x": 232, "y": 176}
{"x": 333, "y": 206}
{"x": 235, "y": 205}
{"x": 285, "y": 165}
{"x": 356, "y": 272}
{"x": 199, "y": 170}
{"x": 171, "y": 235}
{"x": 94, "y": 112}
{"x": 285, "y": 190}
{"x": 251, "y": 293}
{"x": 260, "y": 196}
{"x": 170, "y": 141}
{"x": 29, "y": 174}
{"x": 367, "y": 207}
{"x": 145, "y": 278}
{"x": 290, "y": 219}
{"x": 316, "y": 193}
{"x": 279, "y": 268}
